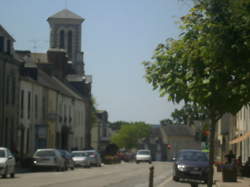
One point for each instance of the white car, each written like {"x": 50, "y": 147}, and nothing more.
{"x": 143, "y": 155}
{"x": 7, "y": 163}
{"x": 48, "y": 158}
{"x": 80, "y": 158}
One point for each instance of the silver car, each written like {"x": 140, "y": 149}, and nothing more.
{"x": 7, "y": 163}
{"x": 143, "y": 155}
{"x": 80, "y": 158}
{"x": 94, "y": 157}
{"x": 48, "y": 158}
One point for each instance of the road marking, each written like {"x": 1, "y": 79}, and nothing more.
{"x": 165, "y": 182}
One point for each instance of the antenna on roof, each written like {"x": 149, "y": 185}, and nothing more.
{"x": 34, "y": 42}
{"x": 37, "y": 44}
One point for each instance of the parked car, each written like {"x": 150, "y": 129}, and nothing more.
{"x": 143, "y": 155}
{"x": 48, "y": 158}
{"x": 81, "y": 158}
{"x": 191, "y": 166}
{"x": 68, "y": 160}
{"x": 7, "y": 163}
{"x": 94, "y": 157}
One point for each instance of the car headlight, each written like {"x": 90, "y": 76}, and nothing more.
{"x": 181, "y": 167}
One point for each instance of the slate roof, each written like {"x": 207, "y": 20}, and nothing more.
{"x": 55, "y": 84}
{"x": 2, "y": 29}
{"x": 177, "y": 130}
{"x": 66, "y": 14}
{"x": 39, "y": 58}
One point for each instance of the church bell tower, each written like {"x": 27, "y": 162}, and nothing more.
{"x": 65, "y": 33}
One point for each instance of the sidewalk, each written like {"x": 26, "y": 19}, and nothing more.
{"x": 241, "y": 181}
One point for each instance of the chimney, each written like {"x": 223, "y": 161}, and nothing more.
{"x": 58, "y": 58}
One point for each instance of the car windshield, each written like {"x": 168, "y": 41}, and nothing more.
{"x": 2, "y": 153}
{"x": 192, "y": 156}
{"x": 143, "y": 152}
{"x": 79, "y": 154}
{"x": 45, "y": 153}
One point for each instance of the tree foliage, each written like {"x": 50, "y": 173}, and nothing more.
{"x": 117, "y": 124}
{"x": 167, "y": 122}
{"x": 130, "y": 133}
{"x": 186, "y": 115}
{"x": 209, "y": 65}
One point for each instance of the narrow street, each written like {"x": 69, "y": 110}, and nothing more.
{"x": 118, "y": 175}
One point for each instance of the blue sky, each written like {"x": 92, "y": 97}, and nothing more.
{"x": 117, "y": 35}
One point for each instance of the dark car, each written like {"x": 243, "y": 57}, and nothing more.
{"x": 191, "y": 166}
{"x": 68, "y": 160}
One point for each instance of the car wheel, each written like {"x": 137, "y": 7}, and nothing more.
{"x": 33, "y": 169}
{"x": 175, "y": 178}
{"x": 5, "y": 173}
{"x": 194, "y": 185}
{"x": 58, "y": 168}
{"x": 12, "y": 175}
{"x": 65, "y": 167}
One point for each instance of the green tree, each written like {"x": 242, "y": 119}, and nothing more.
{"x": 117, "y": 124}
{"x": 129, "y": 134}
{"x": 167, "y": 122}
{"x": 209, "y": 65}
{"x": 188, "y": 114}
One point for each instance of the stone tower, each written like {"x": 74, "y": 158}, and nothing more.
{"x": 65, "y": 33}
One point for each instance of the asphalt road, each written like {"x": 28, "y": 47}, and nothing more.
{"x": 118, "y": 175}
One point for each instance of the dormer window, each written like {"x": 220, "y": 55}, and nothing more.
{"x": 8, "y": 46}
{"x": 1, "y": 44}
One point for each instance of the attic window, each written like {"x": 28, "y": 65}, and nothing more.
{"x": 8, "y": 46}
{"x": 1, "y": 44}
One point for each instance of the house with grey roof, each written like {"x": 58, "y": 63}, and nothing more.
{"x": 177, "y": 137}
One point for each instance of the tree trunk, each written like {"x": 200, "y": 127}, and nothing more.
{"x": 211, "y": 150}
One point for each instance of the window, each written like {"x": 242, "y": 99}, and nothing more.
{"x": 22, "y": 97}
{"x": 28, "y": 140}
{"x": 6, "y": 130}
{"x": 7, "y": 90}
{"x": 70, "y": 44}
{"x": 1, "y": 44}
{"x": 43, "y": 107}
{"x": 29, "y": 104}
{"x": 13, "y": 91}
{"x": 36, "y": 106}
{"x": 61, "y": 45}
{"x": 8, "y": 46}
{"x": 70, "y": 114}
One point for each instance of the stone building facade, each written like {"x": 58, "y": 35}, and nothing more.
{"x": 9, "y": 95}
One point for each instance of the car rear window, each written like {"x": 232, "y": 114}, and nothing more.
{"x": 45, "y": 153}
{"x": 192, "y": 156}
{"x": 2, "y": 153}
{"x": 143, "y": 152}
{"x": 90, "y": 153}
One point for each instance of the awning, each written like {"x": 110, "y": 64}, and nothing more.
{"x": 240, "y": 139}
